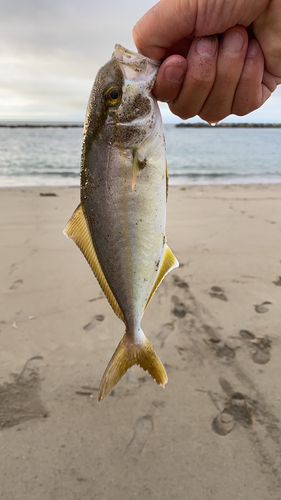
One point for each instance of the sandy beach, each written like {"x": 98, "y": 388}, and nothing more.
{"x": 215, "y": 431}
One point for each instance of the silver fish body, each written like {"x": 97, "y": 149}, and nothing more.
{"x": 120, "y": 223}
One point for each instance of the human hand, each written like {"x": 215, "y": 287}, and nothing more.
{"x": 209, "y": 75}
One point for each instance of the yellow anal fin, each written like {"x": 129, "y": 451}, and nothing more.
{"x": 78, "y": 230}
{"x": 127, "y": 355}
{"x": 168, "y": 263}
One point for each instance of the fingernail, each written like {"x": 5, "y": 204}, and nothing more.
{"x": 253, "y": 48}
{"x": 233, "y": 41}
{"x": 173, "y": 73}
{"x": 206, "y": 47}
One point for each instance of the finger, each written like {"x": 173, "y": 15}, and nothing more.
{"x": 169, "y": 21}
{"x": 230, "y": 62}
{"x": 199, "y": 78}
{"x": 161, "y": 27}
{"x": 251, "y": 93}
{"x": 169, "y": 78}
{"x": 269, "y": 81}
{"x": 267, "y": 28}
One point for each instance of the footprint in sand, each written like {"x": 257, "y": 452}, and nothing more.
{"x": 261, "y": 357}
{"x": 20, "y": 398}
{"x": 94, "y": 321}
{"x": 223, "y": 423}
{"x": 142, "y": 429}
{"x": 238, "y": 408}
{"x": 270, "y": 221}
{"x": 278, "y": 281}
{"x": 262, "y": 353}
{"x": 261, "y": 308}
{"x": 16, "y": 284}
{"x": 166, "y": 329}
{"x": 179, "y": 309}
{"x": 213, "y": 335}
{"x": 225, "y": 351}
{"x": 214, "y": 341}
{"x": 262, "y": 347}
{"x": 246, "y": 335}
{"x": 219, "y": 348}
{"x": 181, "y": 283}
{"x": 218, "y": 293}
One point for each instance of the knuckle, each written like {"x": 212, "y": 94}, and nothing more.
{"x": 212, "y": 117}
{"x": 201, "y": 80}
{"x": 247, "y": 102}
{"x": 214, "y": 113}
{"x": 242, "y": 109}
{"x": 183, "y": 114}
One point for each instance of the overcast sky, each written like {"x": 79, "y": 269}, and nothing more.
{"x": 51, "y": 50}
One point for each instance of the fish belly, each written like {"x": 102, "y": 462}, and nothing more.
{"x": 128, "y": 225}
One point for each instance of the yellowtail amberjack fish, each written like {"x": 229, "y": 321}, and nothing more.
{"x": 120, "y": 223}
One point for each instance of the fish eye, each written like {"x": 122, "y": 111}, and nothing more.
{"x": 113, "y": 95}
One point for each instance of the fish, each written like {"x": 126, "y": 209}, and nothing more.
{"x": 120, "y": 222}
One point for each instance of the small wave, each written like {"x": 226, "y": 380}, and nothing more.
{"x": 219, "y": 179}
{"x": 37, "y": 173}
{"x": 214, "y": 175}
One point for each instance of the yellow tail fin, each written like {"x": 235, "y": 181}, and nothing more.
{"x": 127, "y": 355}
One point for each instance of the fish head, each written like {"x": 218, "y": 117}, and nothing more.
{"x": 121, "y": 110}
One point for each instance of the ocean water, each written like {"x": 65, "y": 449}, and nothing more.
{"x": 51, "y": 156}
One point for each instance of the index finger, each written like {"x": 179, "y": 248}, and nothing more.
{"x": 161, "y": 27}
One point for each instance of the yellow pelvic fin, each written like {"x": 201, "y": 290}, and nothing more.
{"x": 127, "y": 355}
{"x": 168, "y": 263}
{"x": 78, "y": 230}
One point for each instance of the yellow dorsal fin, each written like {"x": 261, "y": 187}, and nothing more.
{"x": 78, "y": 230}
{"x": 168, "y": 263}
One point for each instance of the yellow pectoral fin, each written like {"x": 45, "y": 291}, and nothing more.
{"x": 168, "y": 263}
{"x": 127, "y": 355}
{"x": 78, "y": 230}
{"x": 138, "y": 165}
{"x": 135, "y": 172}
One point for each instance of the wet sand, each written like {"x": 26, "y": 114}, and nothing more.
{"x": 215, "y": 431}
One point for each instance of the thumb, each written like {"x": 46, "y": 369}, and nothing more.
{"x": 162, "y": 26}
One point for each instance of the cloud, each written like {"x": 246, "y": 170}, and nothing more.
{"x": 67, "y": 31}
{"x": 51, "y": 51}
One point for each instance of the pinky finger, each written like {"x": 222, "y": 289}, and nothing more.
{"x": 251, "y": 92}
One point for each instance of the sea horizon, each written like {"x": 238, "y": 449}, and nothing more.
{"x": 47, "y": 153}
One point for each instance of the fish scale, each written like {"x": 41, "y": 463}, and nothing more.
{"x": 120, "y": 223}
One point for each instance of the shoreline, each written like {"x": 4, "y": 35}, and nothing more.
{"x": 171, "y": 185}
{"x": 176, "y": 125}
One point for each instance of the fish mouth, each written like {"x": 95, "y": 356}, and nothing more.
{"x": 126, "y": 56}
{"x": 137, "y": 67}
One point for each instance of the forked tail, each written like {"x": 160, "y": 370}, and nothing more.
{"x": 127, "y": 355}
